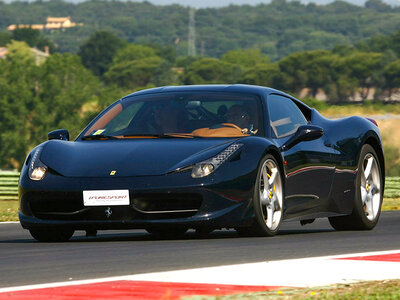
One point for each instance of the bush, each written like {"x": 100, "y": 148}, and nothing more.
{"x": 315, "y": 103}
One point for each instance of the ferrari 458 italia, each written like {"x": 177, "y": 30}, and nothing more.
{"x": 205, "y": 157}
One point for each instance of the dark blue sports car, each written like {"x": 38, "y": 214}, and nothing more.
{"x": 204, "y": 157}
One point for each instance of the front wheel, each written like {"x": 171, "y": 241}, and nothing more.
{"x": 51, "y": 234}
{"x": 368, "y": 194}
{"x": 267, "y": 200}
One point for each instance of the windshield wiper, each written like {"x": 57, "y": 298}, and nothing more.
{"x": 99, "y": 137}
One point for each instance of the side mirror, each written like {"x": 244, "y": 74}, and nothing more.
{"x": 59, "y": 134}
{"x": 303, "y": 133}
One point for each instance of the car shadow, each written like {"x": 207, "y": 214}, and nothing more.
{"x": 143, "y": 236}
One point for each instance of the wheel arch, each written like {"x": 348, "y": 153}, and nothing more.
{"x": 375, "y": 143}
{"x": 277, "y": 155}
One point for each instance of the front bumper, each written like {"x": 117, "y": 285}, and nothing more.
{"x": 213, "y": 202}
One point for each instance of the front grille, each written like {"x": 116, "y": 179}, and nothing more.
{"x": 144, "y": 206}
{"x": 166, "y": 203}
{"x": 58, "y": 202}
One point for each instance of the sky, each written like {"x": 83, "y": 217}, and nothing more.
{"x": 221, "y": 3}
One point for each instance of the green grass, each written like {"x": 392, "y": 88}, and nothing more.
{"x": 8, "y": 211}
{"x": 382, "y": 290}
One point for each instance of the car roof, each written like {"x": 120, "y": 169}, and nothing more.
{"x": 244, "y": 88}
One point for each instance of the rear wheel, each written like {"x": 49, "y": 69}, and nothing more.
{"x": 51, "y": 234}
{"x": 267, "y": 200}
{"x": 368, "y": 194}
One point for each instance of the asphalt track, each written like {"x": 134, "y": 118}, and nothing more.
{"x": 113, "y": 253}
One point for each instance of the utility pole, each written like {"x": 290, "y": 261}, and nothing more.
{"x": 192, "y": 33}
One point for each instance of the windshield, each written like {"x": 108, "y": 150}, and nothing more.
{"x": 180, "y": 115}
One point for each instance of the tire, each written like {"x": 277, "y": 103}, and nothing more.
{"x": 368, "y": 194}
{"x": 267, "y": 200}
{"x": 167, "y": 232}
{"x": 51, "y": 234}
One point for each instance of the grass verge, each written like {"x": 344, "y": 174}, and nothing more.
{"x": 382, "y": 290}
{"x": 8, "y": 210}
{"x": 391, "y": 204}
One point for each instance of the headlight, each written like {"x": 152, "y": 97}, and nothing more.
{"x": 37, "y": 169}
{"x": 208, "y": 166}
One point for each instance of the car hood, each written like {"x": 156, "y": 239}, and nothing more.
{"x": 133, "y": 157}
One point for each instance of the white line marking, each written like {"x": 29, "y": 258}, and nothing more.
{"x": 299, "y": 272}
{"x": 9, "y": 222}
{"x": 64, "y": 283}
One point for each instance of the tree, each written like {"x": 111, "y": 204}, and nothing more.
{"x": 293, "y": 72}
{"x": 306, "y": 69}
{"x": 133, "y": 52}
{"x": 34, "y": 38}
{"x": 362, "y": 67}
{"x": 59, "y": 93}
{"x": 133, "y": 66}
{"x": 342, "y": 84}
{"x": 167, "y": 53}
{"x": 377, "y": 5}
{"x": 5, "y": 38}
{"x": 278, "y": 28}
{"x": 392, "y": 76}
{"x": 28, "y": 35}
{"x": 133, "y": 74}
{"x": 64, "y": 87}
{"x": 98, "y": 51}
{"x": 245, "y": 58}
{"x": 165, "y": 74}
{"x": 211, "y": 70}
{"x": 318, "y": 70}
{"x": 264, "y": 75}
{"x": 17, "y": 73}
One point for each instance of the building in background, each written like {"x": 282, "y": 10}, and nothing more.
{"x": 51, "y": 23}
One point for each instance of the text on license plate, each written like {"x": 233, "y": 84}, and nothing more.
{"x": 105, "y": 197}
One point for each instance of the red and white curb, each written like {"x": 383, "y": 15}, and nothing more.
{"x": 223, "y": 280}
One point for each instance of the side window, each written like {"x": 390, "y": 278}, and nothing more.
{"x": 285, "y": 117}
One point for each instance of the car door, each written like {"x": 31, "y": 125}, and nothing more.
{"x": 309, "y": 166}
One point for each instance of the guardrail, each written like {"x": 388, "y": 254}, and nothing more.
{"x": 9, "y": 186}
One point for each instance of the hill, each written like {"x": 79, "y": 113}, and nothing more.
{"x": 278, "y": 28}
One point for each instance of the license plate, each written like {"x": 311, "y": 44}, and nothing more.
{"x": 106, "y": 197}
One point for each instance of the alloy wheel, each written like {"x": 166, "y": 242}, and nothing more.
{"x": 370, "y": 187}
{"x": 270, "y": 189}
